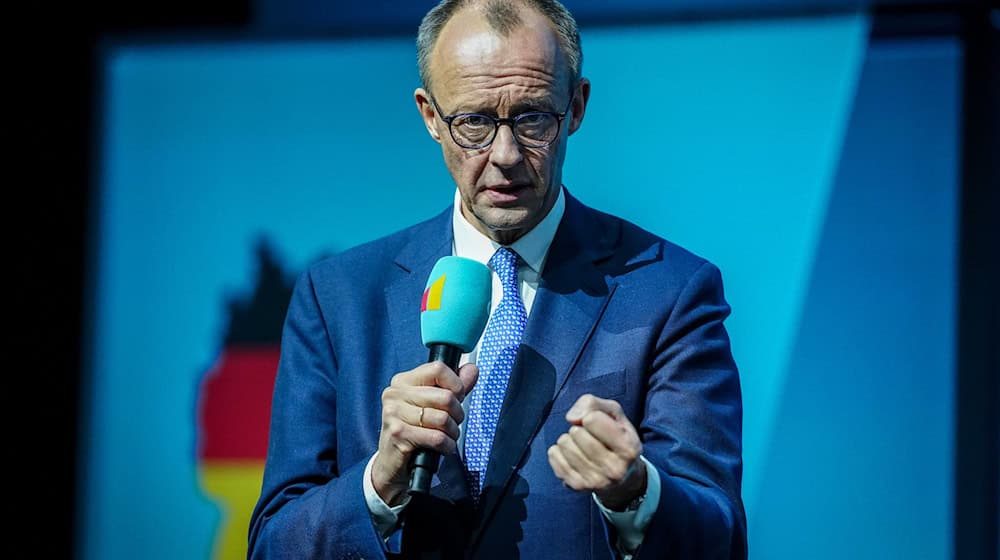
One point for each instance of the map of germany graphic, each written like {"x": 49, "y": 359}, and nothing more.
{"x": 234, "y": 404}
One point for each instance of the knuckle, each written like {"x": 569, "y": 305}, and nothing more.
{"x": 390, "y": 409}
{"x": 602, "y": 480}
{"x": 632, "y": 454}
{"x": 616, "y": 472}
{"x": 438, "y": 439}
{"x": 615, "y": 406}
{"x": 577, "y": 483}
{"x": 394, "y": 428}
{"x": 438, "y": 369}
{"x": 441, "y": 399}
{"x": 593, "y": 480}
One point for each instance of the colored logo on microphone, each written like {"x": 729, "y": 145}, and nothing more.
{"x": 432, "y": 295}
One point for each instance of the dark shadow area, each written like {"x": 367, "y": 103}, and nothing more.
{"x": 258, "y": 320}
{"x": 977, "y": 423}
{"x": 55, "y": 127}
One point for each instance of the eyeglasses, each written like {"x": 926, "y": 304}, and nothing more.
{"x": 533, "y": 129}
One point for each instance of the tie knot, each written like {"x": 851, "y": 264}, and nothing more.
{"x": 504, "y": 263}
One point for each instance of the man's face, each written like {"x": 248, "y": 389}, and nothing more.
{"x": 505, "y": 188}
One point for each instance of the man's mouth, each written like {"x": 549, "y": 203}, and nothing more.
{"x": 506, "y": 192}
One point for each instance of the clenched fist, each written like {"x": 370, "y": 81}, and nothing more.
{"x": 600, "y": 453}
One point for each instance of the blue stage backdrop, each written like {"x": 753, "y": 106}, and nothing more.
{"x": 817, "y": 169}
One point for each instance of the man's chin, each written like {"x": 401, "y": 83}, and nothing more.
{"x": 505, "y": 219}
{"x": 505, "y": 225}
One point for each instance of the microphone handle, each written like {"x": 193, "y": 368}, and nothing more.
{"x": 425, "y": 462}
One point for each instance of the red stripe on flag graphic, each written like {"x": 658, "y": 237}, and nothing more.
{"x": 234, "y": 405}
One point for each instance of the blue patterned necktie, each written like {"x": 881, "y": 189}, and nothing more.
{"x": 495, "y": 360}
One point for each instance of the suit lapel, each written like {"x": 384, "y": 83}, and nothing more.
{"x": 570, "y": 300}
{"x": 428, "y": 242}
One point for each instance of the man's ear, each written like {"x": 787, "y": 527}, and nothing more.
{"x": 427, "y": 112}
{"x": 579, "y": 104}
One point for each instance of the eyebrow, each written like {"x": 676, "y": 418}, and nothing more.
{"x": 527, "y": 105}
{"x": 541, "y": 104}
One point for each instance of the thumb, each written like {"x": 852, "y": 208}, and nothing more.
{"x": 468, "y": 374}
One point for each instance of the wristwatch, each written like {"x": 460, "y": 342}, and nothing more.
{"x": 635, "y": 503}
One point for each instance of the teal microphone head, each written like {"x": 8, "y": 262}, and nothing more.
{"x": 456, "y": 303}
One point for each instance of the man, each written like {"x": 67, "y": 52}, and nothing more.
{"x": 603, "y": 419}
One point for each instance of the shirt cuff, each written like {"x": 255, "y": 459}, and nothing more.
{"x": 631, "y": 525}
{"x": 384, "y": 518}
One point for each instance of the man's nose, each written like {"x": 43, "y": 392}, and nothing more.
{"x": 505, "y": 151}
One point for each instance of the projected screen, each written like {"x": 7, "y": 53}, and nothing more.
{"x": 816, "y": 169}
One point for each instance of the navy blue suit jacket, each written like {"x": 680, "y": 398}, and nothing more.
{"x": 619, "y": 313}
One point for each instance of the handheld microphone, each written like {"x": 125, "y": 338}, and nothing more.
{"x": 453, "y": 314}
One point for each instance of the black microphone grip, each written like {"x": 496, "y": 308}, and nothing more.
{"x": 425, "y": 462}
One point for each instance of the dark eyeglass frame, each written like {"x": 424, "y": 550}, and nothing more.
{"x": 509, "y": 121}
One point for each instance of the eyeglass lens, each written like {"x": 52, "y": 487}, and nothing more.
{"x": 530, "y": 129}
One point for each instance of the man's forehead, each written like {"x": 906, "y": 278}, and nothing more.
{"x": 469, "y": 48}
{"x": 472, "y": 50}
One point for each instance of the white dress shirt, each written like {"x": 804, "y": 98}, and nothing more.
{"x": 533, "y": 248}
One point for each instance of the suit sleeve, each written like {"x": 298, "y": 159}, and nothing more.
{"x": 309, "y": 507}
{"x": 692, "y": 430}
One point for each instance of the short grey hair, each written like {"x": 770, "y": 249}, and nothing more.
{"x": 503, "y": 16}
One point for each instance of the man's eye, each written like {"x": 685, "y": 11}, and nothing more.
{"x": 476, "y": 121}
{"x": 532, "y": 119}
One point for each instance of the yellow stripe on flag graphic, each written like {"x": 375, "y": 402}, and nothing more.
{"x": 234, "y": 487}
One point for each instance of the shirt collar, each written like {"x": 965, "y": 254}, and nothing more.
{"x": 532, "y": 247}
